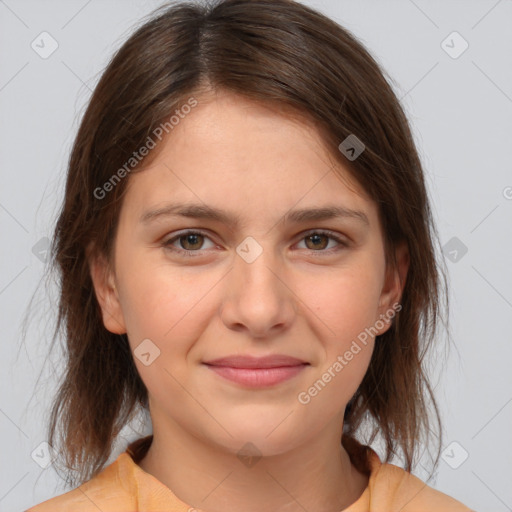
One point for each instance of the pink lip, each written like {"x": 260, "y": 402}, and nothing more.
{"x": 257, "y": 371}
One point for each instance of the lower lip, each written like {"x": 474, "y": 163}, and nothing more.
{"x": 257, "y": 377}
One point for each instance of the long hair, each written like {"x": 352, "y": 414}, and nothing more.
{"x": 276, "y": 52}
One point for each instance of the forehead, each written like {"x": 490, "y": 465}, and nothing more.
{"x": 249, "y": 158}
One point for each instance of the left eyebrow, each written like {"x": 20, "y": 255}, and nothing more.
{"x": 199, "y": 211}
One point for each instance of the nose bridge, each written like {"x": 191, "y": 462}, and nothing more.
{"x": 257, "y": 297}
{"x": 256, "y": 266}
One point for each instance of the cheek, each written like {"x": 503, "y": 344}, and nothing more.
{"x": 164, "y": 304}
{"x": 344, "y": 303}
{"x": 168, "y": 307}
{"x": 344, "y": 308}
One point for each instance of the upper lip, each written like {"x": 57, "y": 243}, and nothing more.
{"x": 272, "y": 361}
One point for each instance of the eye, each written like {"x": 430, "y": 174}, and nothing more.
{"x": 190, "y": 242}
{"x": 317, "y": 241}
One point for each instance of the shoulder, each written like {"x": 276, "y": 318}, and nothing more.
{"x": 393, "y": 488}
{"x": 110, "y": 490}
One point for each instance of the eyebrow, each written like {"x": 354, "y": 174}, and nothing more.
{"x": 199, "y": 211}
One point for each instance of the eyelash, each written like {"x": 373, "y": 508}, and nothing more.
{"x": 187, "y": 253}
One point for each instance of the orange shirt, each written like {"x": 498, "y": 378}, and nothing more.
{"x": 124, "y": 486}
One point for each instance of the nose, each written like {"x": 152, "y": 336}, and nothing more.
{"x": 258, "y": 299}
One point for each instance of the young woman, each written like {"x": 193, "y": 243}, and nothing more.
{"x": 246, "y": 251}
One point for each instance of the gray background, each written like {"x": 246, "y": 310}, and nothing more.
{"x": 461, "y": 112}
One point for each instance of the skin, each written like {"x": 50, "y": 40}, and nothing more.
{"x": 296, "y": 298}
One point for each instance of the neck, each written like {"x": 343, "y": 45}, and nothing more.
{"x": 316, "y": 476}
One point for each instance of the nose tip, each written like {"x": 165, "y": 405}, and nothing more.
{"x": 256, "y": 299}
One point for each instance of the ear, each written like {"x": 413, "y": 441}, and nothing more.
{"x": 106, "y": 293}
{"x": 393, "y": 286}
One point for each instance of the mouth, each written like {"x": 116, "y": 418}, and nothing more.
{"x": 257, "y": 372}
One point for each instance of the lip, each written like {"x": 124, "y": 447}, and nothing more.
{"x": 271, "y": 361}
{"x": 257, "y": 371}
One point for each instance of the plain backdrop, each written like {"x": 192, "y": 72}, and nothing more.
{"x": 457, "y": 91}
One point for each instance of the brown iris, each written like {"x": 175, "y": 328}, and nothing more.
{"x": 194, "y": 240}
{"x": 316, "y": 239}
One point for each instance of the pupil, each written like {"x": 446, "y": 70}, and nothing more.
{"x": 191, "y": 240}
{"x": 317, "y": 240}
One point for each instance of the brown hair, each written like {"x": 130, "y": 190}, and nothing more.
{"x": 276, "y": 52}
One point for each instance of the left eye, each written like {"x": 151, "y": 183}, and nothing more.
{"x": 192, "y": 242}
{"x": 318, "y": 239}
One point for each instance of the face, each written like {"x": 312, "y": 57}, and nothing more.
{"x": 262, "y": 278}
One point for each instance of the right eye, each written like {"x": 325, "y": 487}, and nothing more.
{"x": 190, "y": 242}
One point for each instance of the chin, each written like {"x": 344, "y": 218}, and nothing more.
{"x": 260, "y": 438}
